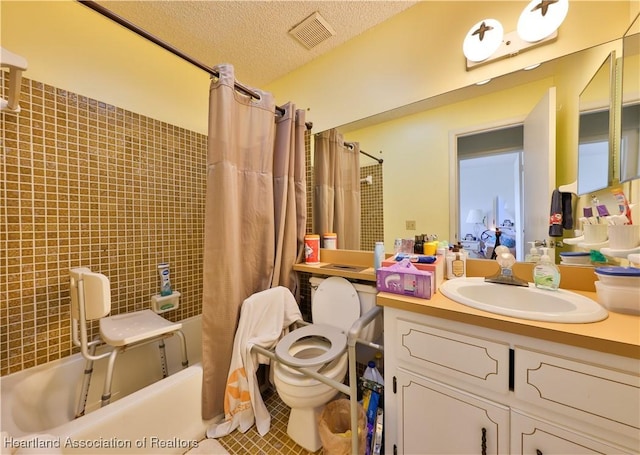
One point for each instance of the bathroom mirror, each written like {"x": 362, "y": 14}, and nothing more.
{"x": 417, "y": 177}
{"x": 630, "y": 110}
{"x": 596, "y": 130}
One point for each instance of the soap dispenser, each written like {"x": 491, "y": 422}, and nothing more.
{"x": 546, "y": 274}
{"x": 534, "y": 255}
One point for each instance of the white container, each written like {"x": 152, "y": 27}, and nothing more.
{"x": 575, "y": 258}
{"x": 595, "y": 233}
{"x": 330, "y": 241}
{"x": 619, "y": 276}
{"x": 619, "y": 299}
{"x": 624, "y": 236}
{"x": 634, "y": 260}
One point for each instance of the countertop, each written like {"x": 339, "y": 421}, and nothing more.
{"x": 619, "y": 334}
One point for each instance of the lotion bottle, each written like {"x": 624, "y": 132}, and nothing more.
{"x": 546, "y": 274}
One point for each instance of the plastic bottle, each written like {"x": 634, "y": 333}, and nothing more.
{"x": 534, "y": 255}
{"x": 546, "y": 274}
{"x": 165, "y": 282}
{"x": 371, "y": 373}
{"x": 379, "y": 361}
{"x": 456, "y": 263}
{"x": 378, "y": 255}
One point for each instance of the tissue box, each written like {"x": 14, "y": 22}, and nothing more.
{"x": 405, "y": 279}
{"x": 437, "y": 268}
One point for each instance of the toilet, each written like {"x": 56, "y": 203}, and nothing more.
{"x": 335, "y": 305}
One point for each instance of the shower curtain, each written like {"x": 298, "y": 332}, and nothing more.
{"x": 254, "y": 180}
{"x": 336, "y": 198}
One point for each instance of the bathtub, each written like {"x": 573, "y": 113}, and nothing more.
{"x": 147, "y": 414}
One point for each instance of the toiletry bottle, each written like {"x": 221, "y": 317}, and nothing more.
{"x": 459, "y": 264}
{"x": 533, "y": 255}
{"x": 546, "y": 274}
{"x": 371, "y": 373}
{"x": 165, "y": 282}
{"x": 456, "y": 263}
{"x": 378, "y": 255}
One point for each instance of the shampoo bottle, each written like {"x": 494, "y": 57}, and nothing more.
{"x": 546, "y": 274}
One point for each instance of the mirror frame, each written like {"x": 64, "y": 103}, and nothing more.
{"x": 608, "y": 65}
{"x": 632, "y": 34}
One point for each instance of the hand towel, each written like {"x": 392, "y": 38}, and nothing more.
{"x": 561, "y": 213}
{"x": 264, "y": 316}
{"x": 555, "y": 216}
{"x": 567, "y": 211}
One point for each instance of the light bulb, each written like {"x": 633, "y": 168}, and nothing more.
{"x": 482, "y": 40}
{"x": 540, "y": 18}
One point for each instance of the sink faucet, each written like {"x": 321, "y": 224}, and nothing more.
{"x": 505, "y": 276}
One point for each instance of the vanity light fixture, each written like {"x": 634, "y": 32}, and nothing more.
{"x": 538, "y": 24}
{"x": 532, "y": 67}
{"x": 486, "y": 81}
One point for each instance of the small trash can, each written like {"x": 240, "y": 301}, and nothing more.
{"x": 334, "y": 426}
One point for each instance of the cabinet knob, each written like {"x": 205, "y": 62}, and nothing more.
{"x": 538, "y": 452}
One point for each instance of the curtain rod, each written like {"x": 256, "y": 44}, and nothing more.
{"x": 309, "y": 125}
{"x": 166, "y": 46}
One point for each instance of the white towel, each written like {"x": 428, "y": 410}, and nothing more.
{"x": 263, "y": 318}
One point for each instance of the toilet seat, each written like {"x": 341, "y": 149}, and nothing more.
{"x": 336, "y": 338}
{"x": 335, "y": 303}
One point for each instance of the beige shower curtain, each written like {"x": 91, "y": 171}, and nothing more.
{"x": 290, "y": 196}
{"x": 247, "y": 247}
{"x": 336, "y": 198}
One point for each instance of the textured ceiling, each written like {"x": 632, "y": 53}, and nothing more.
{"x": 251, "y": 35}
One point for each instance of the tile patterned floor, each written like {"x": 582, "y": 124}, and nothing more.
{"x": 276, "y": 442}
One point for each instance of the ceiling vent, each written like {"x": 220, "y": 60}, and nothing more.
{"x": 312, "y": 31}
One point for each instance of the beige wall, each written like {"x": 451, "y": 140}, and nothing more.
{"x": 69, "y": 46}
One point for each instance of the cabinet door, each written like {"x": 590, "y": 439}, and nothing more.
{"x": 435, "y": 418}
{"x": 532, "y": 436}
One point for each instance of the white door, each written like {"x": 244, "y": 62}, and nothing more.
{"x": 539, "y": 164}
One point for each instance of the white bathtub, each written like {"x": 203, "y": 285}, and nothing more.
{"x": 147, "y": 414}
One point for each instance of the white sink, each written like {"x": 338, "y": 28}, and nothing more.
{"x": 524, "y": 302}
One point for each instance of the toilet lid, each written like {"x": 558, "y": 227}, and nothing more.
{"x": 337, "y": 339}
{"x": 335, "y": 303}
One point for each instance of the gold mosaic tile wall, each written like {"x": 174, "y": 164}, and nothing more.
{"x": 83, "y": 183}
{"x": 371, "y": 208}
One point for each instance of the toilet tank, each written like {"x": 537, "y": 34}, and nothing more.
{"x": 367, "y": 296}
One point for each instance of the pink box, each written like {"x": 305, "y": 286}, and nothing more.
{"x": 437, "y": 268}
{"x": 405, "y": 279}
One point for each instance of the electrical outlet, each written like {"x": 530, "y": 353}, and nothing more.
{"x": 411, "y": 225}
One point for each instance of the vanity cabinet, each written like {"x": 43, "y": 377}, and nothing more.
{"x": 455, "y": 388}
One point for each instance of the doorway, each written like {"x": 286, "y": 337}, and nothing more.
{"x": 497, "y": 201}
{"x": 490, "y": 190}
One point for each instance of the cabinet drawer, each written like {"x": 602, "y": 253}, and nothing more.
{"x": 531, "y": 435}
{"x": 608, "y": 399}
{"x": 449, "y": 355}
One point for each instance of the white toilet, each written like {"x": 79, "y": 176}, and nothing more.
{"x": 335, "y": 305}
